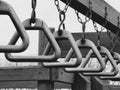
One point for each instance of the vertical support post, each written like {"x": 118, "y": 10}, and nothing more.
{"x": 42, "y": 42}
{"x": 81, "y": 83}
{"x": 97, "y": 84}
{"x": 44, "y": 84}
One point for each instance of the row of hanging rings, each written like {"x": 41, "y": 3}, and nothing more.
{"x": 100, "y": 52}
{"x": 102, "y": 49}
{"x": 85, "y": 43}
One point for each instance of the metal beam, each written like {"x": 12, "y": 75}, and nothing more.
{"x": 18, "y": 84}
{"x": 98, "y": 12}
{"x": 34, "y": 73}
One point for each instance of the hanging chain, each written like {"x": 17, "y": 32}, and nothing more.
{"x": 88, "y": 16}
{"x": 102, "y": 27}
{"x": 33, "y": 14}
{"x": 98, "y": 32}
{"x": 62, "y": 15}
{"x": 113, "y": 40}
{"x": 65, "y": 8}
{"x": 104, "y": 24}
{"x": 89, "y": 13}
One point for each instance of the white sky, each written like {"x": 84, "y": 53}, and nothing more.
{"x": 46, "y": 10}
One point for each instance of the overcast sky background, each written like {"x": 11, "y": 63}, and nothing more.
{"x": 45, "y": 10}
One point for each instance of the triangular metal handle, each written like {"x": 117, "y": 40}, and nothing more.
{"x": 117, "y": 77}
{"x": 39, "y": 25}
{"x": 87, "y": 43}
{"x": 66, "y": 63}
{"x": 112, "y": 61}
{"x": 6, "y": 9}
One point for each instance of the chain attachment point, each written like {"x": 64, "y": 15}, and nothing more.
{"x": 102, "y": 27}
{"x": 33, "y": 14}
{"x": 83, "y": 30}
{"x": 65, "y": 8}
{"x": 88, "y": 16}
{"x": 62, "y": 15}
{"x": 89, "y": 13}
{"x": 98, "y": 33}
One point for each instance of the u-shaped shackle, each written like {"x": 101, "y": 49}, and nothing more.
{"x": 66, "y": 63}
{"x": 6, "y": 9}
{"x": 112, "y": 61}
{"x": 87, "y": 43}
{"x": 39, "y": 25}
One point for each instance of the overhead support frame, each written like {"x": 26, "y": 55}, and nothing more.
{"x": 98, "y": 12}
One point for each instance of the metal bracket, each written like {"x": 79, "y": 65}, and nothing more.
{"x": 117, "y": 77}
{"x": 6, "y": 9}
{"x": 112, "y": 61}
{"x": 66, "y": 62}
{"x": 39, "y": 25}
{"x": 81, "y": 68}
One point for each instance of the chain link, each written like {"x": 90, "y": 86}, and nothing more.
{"x": 62, "y": 12}
{"x": 62, "y": 15}
{"x": 87, "y": 19}
{"x": 65, "y": 8}
{"x": 98, "y": 32}
{"x": 96, "y": 27}
{"x": 78, "y": 17}
{"x": 33, "y": 14}
{"x": 89, "y": 13}
{"x": 34, "y": 4}
{"x": 88, "y": 16}
{"x": 62, "y": 19}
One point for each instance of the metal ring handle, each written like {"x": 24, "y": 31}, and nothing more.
{"x": 110, "y": 58}
{"x": 66, "y": 62}
{"x": 81, "y": 68}
{"x": 113, "y": 78}
{"x": 6, "y": 9}
{"x": 39, "y": 25}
